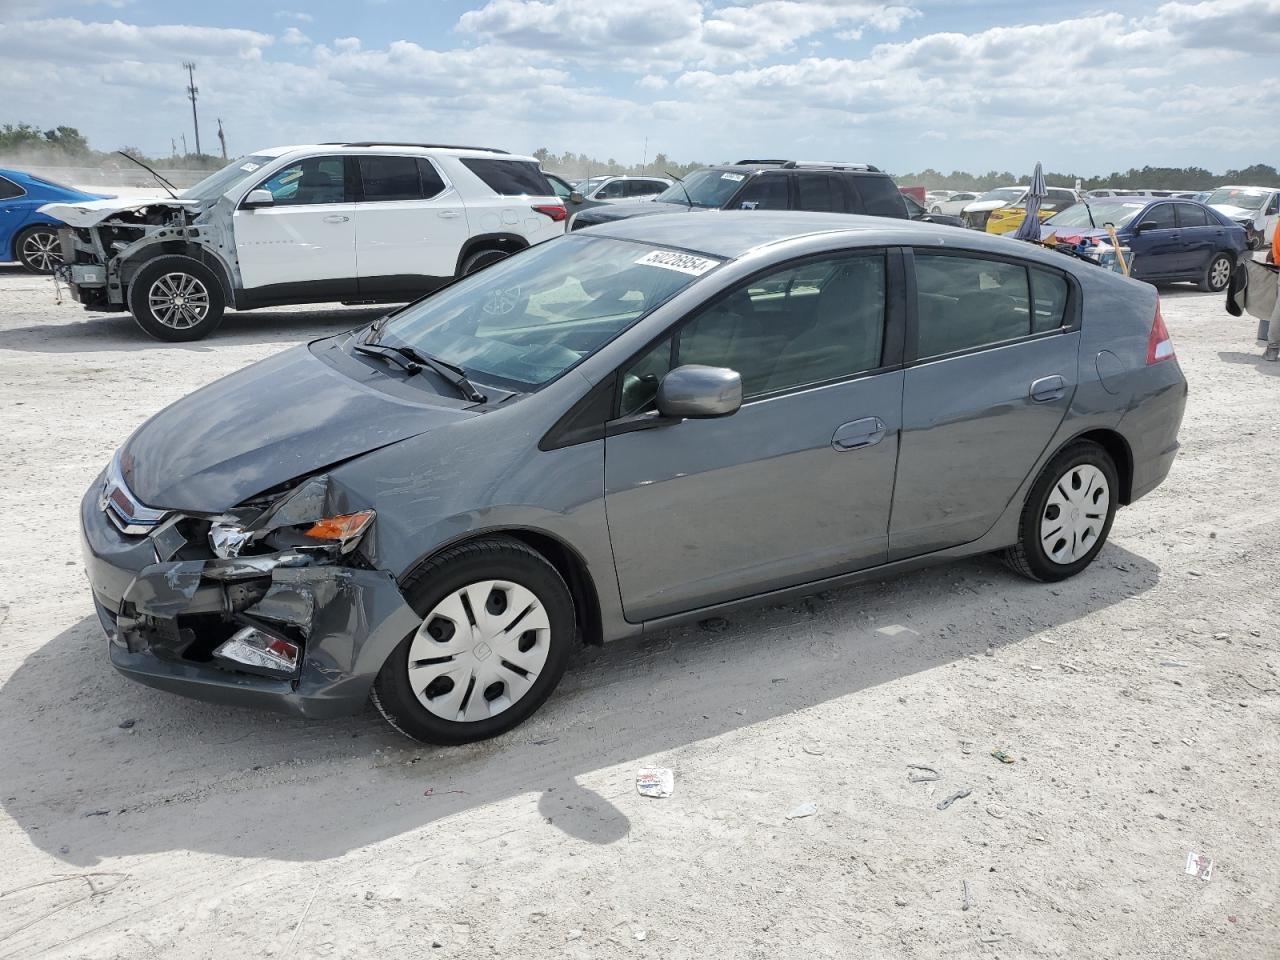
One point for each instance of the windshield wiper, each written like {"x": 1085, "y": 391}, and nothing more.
{"x": 169, "y": 187}
{"x": 414, "y": 360}
{"x": 1089, "y": 210}
{"x": 680, "y": 180}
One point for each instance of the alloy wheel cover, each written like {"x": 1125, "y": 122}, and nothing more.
{"x": 1076, "y": 511}
{"x": 479, "y": 650}
{"x": 178, "y": 300}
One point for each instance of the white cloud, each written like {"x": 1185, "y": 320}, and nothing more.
{"x": 295, "y": 37}
{"x": 295, "y": 15}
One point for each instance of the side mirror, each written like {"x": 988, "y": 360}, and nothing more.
{"x": 577, "y": 197}
{"x": 1147, "y": 225}
{"x": 258, "y": 198}
{"x": 694, "y": 391}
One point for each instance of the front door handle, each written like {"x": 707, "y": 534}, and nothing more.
{"x": 857, "y": 434}
{"x": 448, "y": 214}
{"x": 1047, "y": 389}
{"x": 336, "y": 218}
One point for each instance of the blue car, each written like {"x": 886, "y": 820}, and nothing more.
{"x": 27, "y": 236}
{"x": 1170, "y": 239}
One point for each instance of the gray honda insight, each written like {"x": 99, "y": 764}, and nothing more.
{"x": 635, "y": 425}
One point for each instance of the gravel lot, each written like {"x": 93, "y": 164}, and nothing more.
{"x": 1140, "y": 703}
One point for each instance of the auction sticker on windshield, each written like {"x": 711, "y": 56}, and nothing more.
{"x": 735, "y": 177}
{"x": 681, "y": 262}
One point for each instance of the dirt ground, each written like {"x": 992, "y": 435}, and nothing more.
{"x": 1139, "y": 702}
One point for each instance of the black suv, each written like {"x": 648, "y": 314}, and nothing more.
{"x": 768, "y": 185}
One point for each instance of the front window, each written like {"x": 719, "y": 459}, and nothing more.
{"x": 1095, "y": 213}
{"x": 1245, "y": 199}
{"x": 216, "y": 184}
{"x": 524, "y": 321}
{"x": 310, "y": 181}
{"x": 704, "y": 188}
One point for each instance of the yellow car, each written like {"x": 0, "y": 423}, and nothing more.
{"x": 1008, "y": 219}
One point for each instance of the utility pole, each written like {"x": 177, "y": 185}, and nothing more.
{"x": 192, "y": 90}
{"x": 173, "y": 147}
{"x": 184, "y": 146}
{"x": 222, "y": 139}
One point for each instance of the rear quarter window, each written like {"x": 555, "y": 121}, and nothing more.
{"x": 877, "y": 197}
{"x": 9, "y": 189}
{"x": 510, "y": 178}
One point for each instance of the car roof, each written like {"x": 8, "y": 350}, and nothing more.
{"x": 359, "y": 147}
{"x": 731, "y": 234}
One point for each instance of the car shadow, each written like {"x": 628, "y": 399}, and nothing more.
{"x": 1270, "y": 367}
{"x": 117, "y": 332}
{"x": 98, "y": 767}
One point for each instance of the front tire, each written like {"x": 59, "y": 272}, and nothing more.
{"x": 38, "y": 249}
{"x": 176, "y": 299}
{"x": 1067, "y": 515}
{"x": 497, "y": 630}
{"x": 1217, "y": 274}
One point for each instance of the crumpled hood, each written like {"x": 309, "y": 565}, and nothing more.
{"x": 88, "y": 213}
{"x": 623, "y": 211}
{"x": 1233, "y": 212}
{"x": 279, "y": 419}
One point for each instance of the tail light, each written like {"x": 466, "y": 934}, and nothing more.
{"x": 1159, "y": 344}
{"x": 553, "y": 210}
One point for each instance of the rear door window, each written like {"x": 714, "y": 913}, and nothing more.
{"x": 432, "y": 182}
{"x": 510, "y": 178}
{"x": 968, "y": 302}
{"x": 1189, "y": 215}
{"x": 877, "y": 197}
{"x": 1049, "y": 292}
{"x": 390, "y": 178}
{"x": 763, "y": 193}
{"x": 820, "y": 192}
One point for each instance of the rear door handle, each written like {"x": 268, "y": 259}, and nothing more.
{"x": 1048, "y": 388}
{"x": 336, "y": 218}
{"x": 448, "y": 214}
{"x": 856, "y": 434}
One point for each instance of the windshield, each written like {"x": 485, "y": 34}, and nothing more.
{"x": 1245, "y": 199}
{"x": 1004, "y": 194}
{"x": 586, "y": 186}
{"x": 704, "y": 188}
{"x": 216, "y": 184}
{"x": 526, "y": 320}
{"x": 1113, "y": 212}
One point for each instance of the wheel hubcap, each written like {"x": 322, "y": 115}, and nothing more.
{"x": 1220, "y": 274}
{"x": 1075, "y": 514}
{"x": 40, "y": 250}
{"x": 479, "y": 651}
{"x": 178, "y": 300}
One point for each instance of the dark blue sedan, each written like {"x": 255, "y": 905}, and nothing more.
{"x": 27, "y": 236}
{"x": 1170, "y": 240}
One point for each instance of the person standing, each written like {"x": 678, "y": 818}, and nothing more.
{"x": 1273, "y": 325}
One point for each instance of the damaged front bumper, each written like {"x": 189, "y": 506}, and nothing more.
{"x": 166, "y": 618}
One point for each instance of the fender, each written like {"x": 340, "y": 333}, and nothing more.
{"x": 507, "y": 242}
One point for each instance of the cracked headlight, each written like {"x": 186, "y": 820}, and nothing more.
{"x": 227, "y": 539}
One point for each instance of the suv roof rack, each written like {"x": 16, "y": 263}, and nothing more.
{"x": 382, "y": 143}
{"x": 830, "y": 165}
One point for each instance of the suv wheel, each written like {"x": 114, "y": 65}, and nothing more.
{"x": 1068, "y": 514}
{"x": 497, "y": 629}
{"x": 38, "y": 249}
{"x": 176, "y": 299}
{"x": 482, "y": 259}
{"x": 1217, "y": 274}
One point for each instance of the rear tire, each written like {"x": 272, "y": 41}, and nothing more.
{"x": 1217, "y": 274}
{"x": 1067, "y": 515}
{"x": 176, "y": 299}
{"x": 38, "y": 249}
{"x": 481, "y": 259}
{"x": 472, "y": 671}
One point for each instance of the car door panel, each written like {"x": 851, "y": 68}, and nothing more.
{"x": 971, "y": 431}
{"x": 405, "y": 242}
{"x": 707, "y": 511}
{"x": 1157, "y": 251}
{"x": 307, "y": 238}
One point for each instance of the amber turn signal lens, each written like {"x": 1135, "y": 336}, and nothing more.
{"x": 345, "y": 529}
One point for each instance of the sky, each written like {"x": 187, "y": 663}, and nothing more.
{"x": 947, "y": 84}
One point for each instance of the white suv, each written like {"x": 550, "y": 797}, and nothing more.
{"x": 351, "y": 222}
